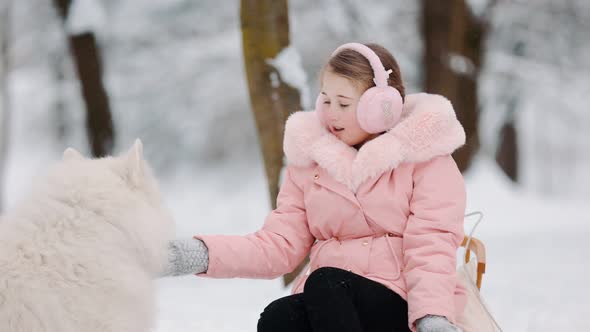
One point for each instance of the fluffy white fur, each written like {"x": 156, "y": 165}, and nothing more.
{"x": 428, "y": 128}
{"x": 79, "y": 253}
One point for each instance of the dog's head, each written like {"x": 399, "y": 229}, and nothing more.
{"x": 120, "y": 191}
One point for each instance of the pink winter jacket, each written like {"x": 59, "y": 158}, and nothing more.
{"x": 391, "y": 211}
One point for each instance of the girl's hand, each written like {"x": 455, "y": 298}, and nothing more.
{"x": 431, "y": 323}
{"x": 186, "y": 256}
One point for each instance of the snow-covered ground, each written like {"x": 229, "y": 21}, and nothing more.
{"x": 537, "y": 263}
{"x": 537, "y": 248}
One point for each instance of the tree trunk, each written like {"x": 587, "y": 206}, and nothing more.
{"x": 99, "y": 122}
{"x": 265, "y": 32}
{"x": 453, "y": 39}
{"x": 5, "y": 38}
{"x": 507, "y": 150}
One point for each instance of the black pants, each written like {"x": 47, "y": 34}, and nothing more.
{"x": 340, "y": 301}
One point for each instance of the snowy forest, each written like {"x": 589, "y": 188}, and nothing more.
{"x": 207, "y": 86}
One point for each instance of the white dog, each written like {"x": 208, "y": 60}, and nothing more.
{"x": 80, "y": 252}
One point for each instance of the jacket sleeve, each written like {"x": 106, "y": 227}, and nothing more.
{"x": 432, "y": 236}
{"x": 277, "y": 248}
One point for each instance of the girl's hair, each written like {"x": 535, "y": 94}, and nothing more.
{"x": 357, "y": 68}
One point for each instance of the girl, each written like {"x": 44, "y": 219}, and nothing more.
{"x": 372, "y": 193}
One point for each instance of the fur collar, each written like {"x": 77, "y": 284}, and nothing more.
{"x": 428, "y": 128}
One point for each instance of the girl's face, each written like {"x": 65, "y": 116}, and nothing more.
{"x": 340, "y": 99}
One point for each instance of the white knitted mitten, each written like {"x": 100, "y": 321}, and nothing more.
{"x": 186, "y": 256}
{"x": 431, "y": 323}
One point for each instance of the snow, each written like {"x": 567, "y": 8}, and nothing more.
{"x": 461, "y": 65}
{"x": 539, "y": 71}
{"x": 85, "y": 16}
{"x": 180, "y": 86}
{"x": 288, "y": 64}
{"x": 478, "y": 7}
{"x": 536, "y": 249}
{"x": 536, "y": 246}
{"x": 536, "y": 279}
{"x": 343, "y": 18}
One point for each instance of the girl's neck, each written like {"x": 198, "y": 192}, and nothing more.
{"x": 359, "y": 145}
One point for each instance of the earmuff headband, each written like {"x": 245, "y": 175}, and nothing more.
{"x": 379, "y": 72}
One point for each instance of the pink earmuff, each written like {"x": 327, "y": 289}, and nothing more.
{"x": 380, "y": 107}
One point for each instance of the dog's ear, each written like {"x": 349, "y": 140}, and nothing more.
{"x": 135, "y": 162}
{"x": 72, "y": 154}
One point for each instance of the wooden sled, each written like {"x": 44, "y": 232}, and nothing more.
{"x": 479, "y": 250}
